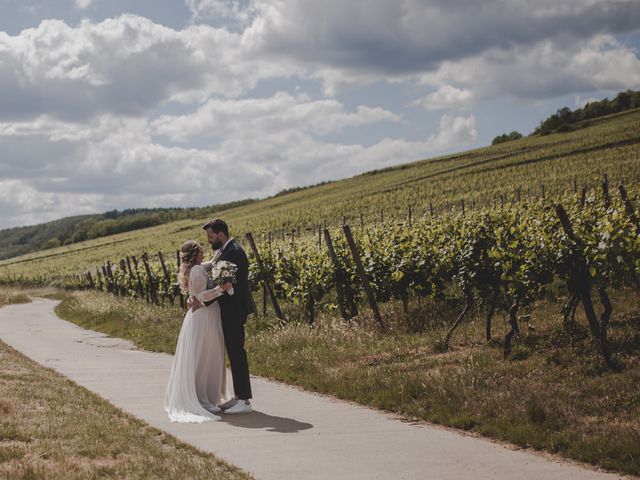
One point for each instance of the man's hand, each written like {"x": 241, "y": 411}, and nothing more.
{"x": 194, "y": 304}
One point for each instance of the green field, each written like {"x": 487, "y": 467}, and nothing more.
{"x": 487, "y": 176}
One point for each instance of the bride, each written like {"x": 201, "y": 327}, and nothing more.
{"x": 197, "y": 383}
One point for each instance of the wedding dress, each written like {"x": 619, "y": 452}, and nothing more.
{"x": 198, "y": 374}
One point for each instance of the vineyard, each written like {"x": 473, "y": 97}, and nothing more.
{"x": 501, "y": 259}
{"x": 445, "y": 229}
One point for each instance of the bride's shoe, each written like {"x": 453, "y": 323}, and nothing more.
{"x": 212, "y": 408}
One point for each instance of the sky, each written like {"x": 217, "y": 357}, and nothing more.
{"x": 114, "y": 104}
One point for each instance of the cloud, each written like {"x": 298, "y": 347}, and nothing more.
{"x": 447, "y": 96}
{"x": 114, "y": 162}
{"x": 454, "y": 132}
{"x": 23, "y": 204}
{"x": 410, "y": 36}
{"x": 131, "y": 66}
{"x": 83, "y": 4}
{"x": 264, "y": 116}
{"x": 125, "y": 66}
{"x": 544, "y": 70}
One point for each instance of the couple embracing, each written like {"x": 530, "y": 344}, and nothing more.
{"x": 197, "y": 388}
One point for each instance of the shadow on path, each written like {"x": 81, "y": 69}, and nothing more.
{"x": 269, "y": 422}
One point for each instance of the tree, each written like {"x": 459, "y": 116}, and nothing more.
{"x": 506, "y": 137}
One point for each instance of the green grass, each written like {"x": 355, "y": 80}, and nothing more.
{"x": 478, "y": 176}
{"x": 151, "y": 327}
{"x": 554, "y": 394}
{"x": 52, "y": 428}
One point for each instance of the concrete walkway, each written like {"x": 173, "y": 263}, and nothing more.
{"x": 291, "y": 435}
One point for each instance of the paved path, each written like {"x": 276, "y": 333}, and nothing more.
{"x": 291, "y": 435}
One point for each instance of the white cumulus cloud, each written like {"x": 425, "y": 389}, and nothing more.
{"x": 263, "y": 116}
{"x": 447, "y": 96}
{"x": 82, "y": 4}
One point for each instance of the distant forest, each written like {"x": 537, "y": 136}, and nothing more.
{"x": 21, "y": 240}
{"x": 566, "y": 120}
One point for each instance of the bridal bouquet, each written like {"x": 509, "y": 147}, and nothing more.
{"x": 224, "y": 272}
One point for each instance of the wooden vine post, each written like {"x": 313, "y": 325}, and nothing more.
{"x": 140, "y": 287}
{"x": 265, "y": 300}
{"x": 132, "y": 278}
{"x": 167, "y": 279}
{"x": 583, "y": 282}
{"x": 90, "y": 279}
{"x": 125, "y": 286}
{"x": 605, "y": 192}
{"x": 99, "y": 279}
{"x": 105, "y": 275}
{"x": 264, "y": 276}
{"x": 112, "y": 280}
{"x": 628, "y": 207}
{"x": 337, "y": 276}
{"x": 363, "y": 277}
{"x": 467, "y": 306}
{"x": 151, "y": 287}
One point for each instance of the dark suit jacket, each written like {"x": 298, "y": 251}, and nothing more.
{"x": 236, "y": 307}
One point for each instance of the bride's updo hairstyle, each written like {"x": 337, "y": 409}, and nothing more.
{"x": 188, "y": 254}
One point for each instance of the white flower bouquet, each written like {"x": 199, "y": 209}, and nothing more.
{"x": 224, "y": 272}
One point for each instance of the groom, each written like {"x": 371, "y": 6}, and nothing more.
{"x": 234, "y": 310}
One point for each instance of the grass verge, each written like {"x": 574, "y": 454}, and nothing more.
{"x": 9, "y": 296}
{"x": 553, "y": 393}
{"x": 52, "y": 428}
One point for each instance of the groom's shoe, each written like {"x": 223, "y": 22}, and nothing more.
{"x": 229, "y": 403}
{"x": 240, "y": 407}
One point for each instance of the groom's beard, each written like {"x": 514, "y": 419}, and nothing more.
{"x": 216, "y": 244}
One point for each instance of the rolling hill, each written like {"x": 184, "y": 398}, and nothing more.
{"x": 547, "y": 165}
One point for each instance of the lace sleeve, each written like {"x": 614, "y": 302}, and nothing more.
{"x": 198, "y": 285}
{"x": 208, "y": 266}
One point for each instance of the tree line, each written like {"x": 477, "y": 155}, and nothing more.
{"x": 565, "y": 119}
{"x": 21, "y": 240}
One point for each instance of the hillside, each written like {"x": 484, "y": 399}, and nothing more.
{"x": 22, "y": 240}
{"x": 547, "y": 165}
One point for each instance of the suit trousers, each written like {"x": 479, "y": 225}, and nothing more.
{"x": 233, "y": 329}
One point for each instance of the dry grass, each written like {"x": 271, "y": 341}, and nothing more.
{"x": 10, "y": 296}
{"x": 52, "y": 428}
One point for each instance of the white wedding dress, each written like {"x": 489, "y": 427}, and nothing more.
{"x": 198, "y": 373}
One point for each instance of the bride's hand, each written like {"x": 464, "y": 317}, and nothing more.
{"x": 194, "y": 304}
{"x": 227, "y": 286}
